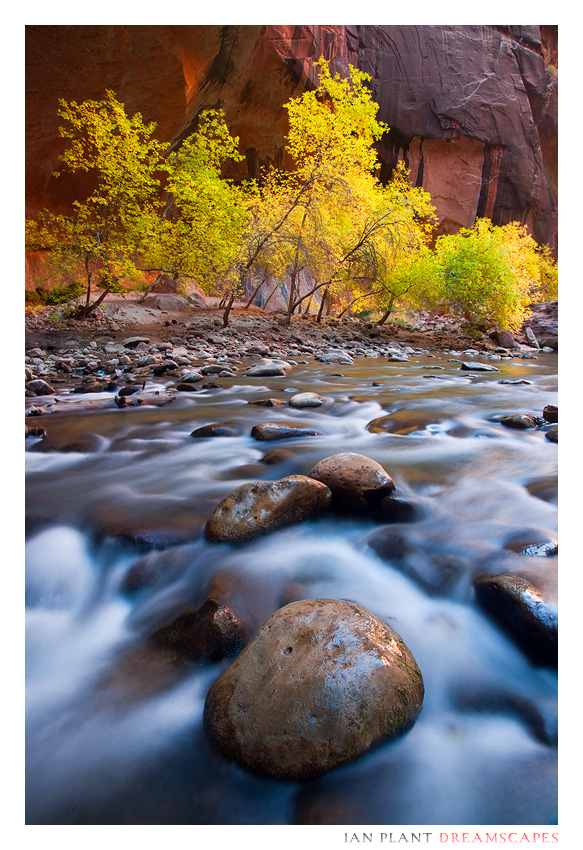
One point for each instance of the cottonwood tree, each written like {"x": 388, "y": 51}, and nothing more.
{"x": 331, "y": 215}
{"x": 197, "y": 233}
{"x": 331, "y": 133}
{"x": 151, "y": 210}
{"x": 101, "y": 239}
{"x": 492, "y": 273}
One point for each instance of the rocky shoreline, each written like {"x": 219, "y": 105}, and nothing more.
{"x": 127, "y": 343}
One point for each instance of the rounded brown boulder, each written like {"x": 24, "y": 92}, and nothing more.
{"x": 357, "y": 482}
{"x": 262, "y": 506}
{"x": 323, "y": 682}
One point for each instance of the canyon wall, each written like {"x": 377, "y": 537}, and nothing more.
{"x": 472, "y": 109}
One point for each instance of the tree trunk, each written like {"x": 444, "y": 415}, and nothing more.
{"x": 385, "y": 315}
{"x": 87, "y": 309}
{"x": 150, "y": 287}
{"x": 228, "y": 310}
{"x": 291, "y": 304}
{"x": 273, "y": 291}
{"x": 248, "y": 304}
{"x": 321, "y": 310}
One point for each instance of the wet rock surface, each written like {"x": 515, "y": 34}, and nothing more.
{"x": 301, "y": 400}
{"x": 322, "y": 682}
{"x": 262, "y": 506}
{"x": 519, "y": 421}
{"x": 357, "y": 482}
{"x": 521, "y": 611}
{"x": 478, "y": 367}
{"x": 268, "y": 431}
{"x": 214, "y": 430}
{"x": 552, "y": 435}
{"x": 401, "y": 422}
{"x": 234, "y": 608}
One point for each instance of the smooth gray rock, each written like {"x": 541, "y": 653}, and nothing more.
{"x": 301, "y": 400}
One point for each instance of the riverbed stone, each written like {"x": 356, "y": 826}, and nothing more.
{"x": 396, "y": 509}
{"x": 357, "y": 482}
{"x": 518, "y": 421}
{"x": 268, "y": 431}
{"x": 402, "y": 422}
{"x": 266, "y": 371}
{"x": 134, "y": 341}
{"x": 335, "y": 355}
{"x": 263, "y": 506}
{"x": 274, "y": 456}
{"x": 479, "y": 367}
{"x": 81, "y": 443}
{"x": 39, "y": 387}
{"x": 552, "y": 434}
{"x": 532, "y": 542}
{"x": 301, "y": 400}
{"x": 322, "y": 683}
{"x": 551, "y": 413}
{"x": 214, "y": 631}
{"x": 214, "y": 430}
{"x": 268, "y": 402}
{"x": 522, "y": 612}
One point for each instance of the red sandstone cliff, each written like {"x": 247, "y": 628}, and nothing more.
{"x": 472, "y": 109}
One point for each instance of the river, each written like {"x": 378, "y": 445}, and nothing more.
{"x": 114, "y": 726}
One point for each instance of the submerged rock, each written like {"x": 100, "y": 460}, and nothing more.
{"x": 262, "y": 506}
{"x": 268, "y": 402}
{"x": 323, "y": 681}
{"x": 395, "y": 509}
{"x": 277, "y": 456}
{"x": 214, "y": 430}
{"x": 523, "y": 613}
{"x": 236, "y": 605}
{"x": 532, "y": 542}
{"x": 82, "y": 443}
{"x": 402, "y": 422}
{"x": 212, "y": 632}
{"x": 434, "y": 572}
{"x": 357, "y": 482}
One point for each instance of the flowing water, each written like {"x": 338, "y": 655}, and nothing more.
{"x": 114, "y": 726}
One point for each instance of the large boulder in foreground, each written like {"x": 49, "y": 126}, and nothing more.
{"x": 261, "y": 506}
{"x": 357, "y": 482}
{"x": 323, "y": 681}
